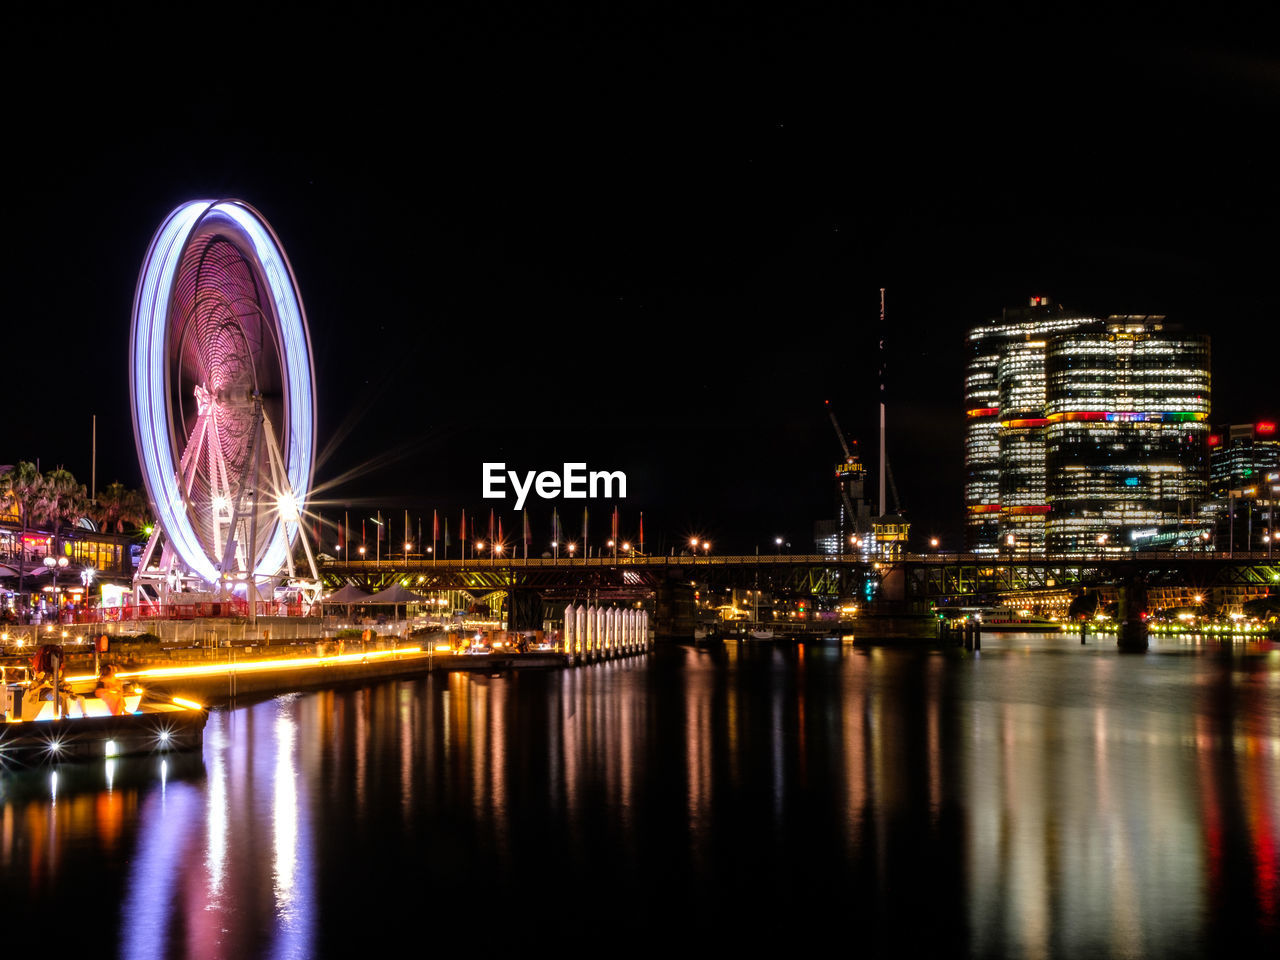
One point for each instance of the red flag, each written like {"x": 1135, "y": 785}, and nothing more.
{"x": 525, "y": 535}
{"x": 615, "y": 523}
{"x": 500, "y": 540}
{"x": 435, "y": 525}
{"x": 642, "y": 530}
{"x": 490, "y": 524}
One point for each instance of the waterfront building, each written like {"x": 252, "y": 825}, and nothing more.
{"x": 29, "y": 547}
{"x": 1126, "y": 436}
{"x": 1004, "y": 492}
{"x": 1244, "y": 478}
{"x": 1085, "y": 436}
{"x": 1241, "y": 455}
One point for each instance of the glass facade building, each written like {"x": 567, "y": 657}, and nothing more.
{"x": 1242, "y": 455}
{"x": 1004, "y": 430}
{"x": 1244, "y": 479}
{"x": 1127, "y": 433}
{"x": 1083, "y": 435}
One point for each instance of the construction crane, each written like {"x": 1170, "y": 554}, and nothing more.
{"x": 851, "y": 457}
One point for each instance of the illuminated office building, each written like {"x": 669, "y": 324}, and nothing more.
{"x": 1004, "y": 432}
{"x": 1244, "y": 478}
{"x": 1084, "y": 436}
{"x": 1241, "y": 455}
{"x": 1126, "y": 436}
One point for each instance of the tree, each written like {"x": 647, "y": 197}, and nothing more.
{"x": 119, "y": 507}
{"x": 23, "y": 486}
{"x": 62, "y": 500}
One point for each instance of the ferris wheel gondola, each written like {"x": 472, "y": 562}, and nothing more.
{"x": 223, "y": 392}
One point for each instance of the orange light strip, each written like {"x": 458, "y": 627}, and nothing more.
{"x": 253, "y": 666}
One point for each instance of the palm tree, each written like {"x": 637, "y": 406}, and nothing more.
{"x": 23, "y": 486}
{"x": 119, "y": 507}
{"x": 62, "y": 501}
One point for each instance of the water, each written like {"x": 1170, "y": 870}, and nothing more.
{"x": 1041, "y": 799}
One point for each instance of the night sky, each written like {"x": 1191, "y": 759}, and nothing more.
{"x": 647, "y": 243}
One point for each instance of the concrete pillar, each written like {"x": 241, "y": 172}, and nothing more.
{"x": 628, "y": 629}
{"x": 644, "y": 630}
{"x": 600, "y": 627}
{"x": 675, "y": 606}
{"x": 592, "y": 635}
{"x": 570, "y": 626}
{"x": 580, "y": 634}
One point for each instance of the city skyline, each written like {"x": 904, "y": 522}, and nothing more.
{"x": 663, "y": 291}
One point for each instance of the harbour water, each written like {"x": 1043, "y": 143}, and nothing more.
{"x": 1039, "y": 799}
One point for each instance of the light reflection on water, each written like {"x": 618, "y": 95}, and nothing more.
{"x": 1038, "y": 800}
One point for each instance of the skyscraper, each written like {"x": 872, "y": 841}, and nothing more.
{"x": 1126, "y": 441}
{"x": 1244, "y": 478}
{"x": 1004, "y": 433}
{"x": 1083, "y": 434}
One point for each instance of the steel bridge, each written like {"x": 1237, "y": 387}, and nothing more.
{"x": 911, "y": 577}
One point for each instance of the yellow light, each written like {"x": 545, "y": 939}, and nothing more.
{"x": 443, "y": 648}
{"x": 287, "y": 506}
{"x": 252, "y": 666}
{"x": 188, "y": 703}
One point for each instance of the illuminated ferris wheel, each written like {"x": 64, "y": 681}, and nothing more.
{"x": 223, "y": 391}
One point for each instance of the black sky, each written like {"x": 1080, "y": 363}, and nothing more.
{"x": 645, "y": 240}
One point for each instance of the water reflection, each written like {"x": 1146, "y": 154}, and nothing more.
{"x": 1037, "y": 800}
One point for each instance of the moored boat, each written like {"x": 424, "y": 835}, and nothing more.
{"x": 49, "y": 717}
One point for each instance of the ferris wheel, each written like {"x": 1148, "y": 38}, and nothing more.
{"x": 222, "y": 385}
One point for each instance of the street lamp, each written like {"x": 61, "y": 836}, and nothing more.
{"x": 56, "y": 564}
{"x": 706, "y": 547}
{"x": 693, "y": 543}
{"x": 777, "y": 542}
{"x": 86, "y": 577}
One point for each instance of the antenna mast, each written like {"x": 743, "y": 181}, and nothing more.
{"x": 882, "y": 457}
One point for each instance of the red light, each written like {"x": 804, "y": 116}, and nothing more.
{"x": 1266, "y": 427}
{"x": 1215, "y": 440}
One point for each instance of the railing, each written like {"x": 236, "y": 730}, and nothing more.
{"x": 209, "y": 609}
{"x": 773, "y": 559}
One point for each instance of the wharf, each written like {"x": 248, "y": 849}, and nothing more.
{"x": 212, "y": 683}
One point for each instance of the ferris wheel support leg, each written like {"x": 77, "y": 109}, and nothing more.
{"x": 279, "y": 477}
{"x": 222, "y": 513}
{"x": 242, "y": 511}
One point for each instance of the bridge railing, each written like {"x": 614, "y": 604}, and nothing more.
{"x": 939, "y": 558}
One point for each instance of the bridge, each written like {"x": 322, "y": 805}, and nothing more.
{"x": 908, "y": 583}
